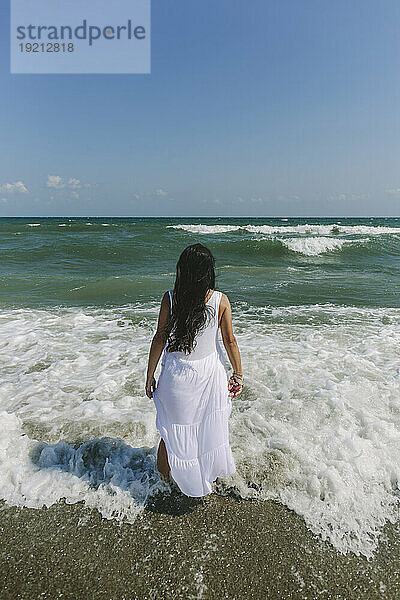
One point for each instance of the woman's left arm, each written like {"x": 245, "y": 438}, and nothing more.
{"x": 157, "y": 345}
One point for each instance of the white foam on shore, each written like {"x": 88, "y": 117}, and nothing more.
{"x": 307, "y": 229}
{"x": 107, "y": 474}
{"x": 316, "y": 428}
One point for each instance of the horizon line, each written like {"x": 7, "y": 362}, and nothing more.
{"x": 200, "y": 217}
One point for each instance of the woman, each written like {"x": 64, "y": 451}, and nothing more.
{"x": 193, "y": 394}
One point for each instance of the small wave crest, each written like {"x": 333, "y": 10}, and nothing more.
{"x": 308, "y": 246}
{"x": 206, "y": 228}
{"x": 312, "y": 246}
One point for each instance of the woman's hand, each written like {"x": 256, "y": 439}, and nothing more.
{"x": 150, "y": 387}
{"x": 235, "y": 386}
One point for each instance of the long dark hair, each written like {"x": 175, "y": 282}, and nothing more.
{"x": 195, "y": 275}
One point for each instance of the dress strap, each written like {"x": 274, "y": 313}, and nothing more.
{"x": 170, "y": 300}
{"x": 218, "y": 296}
{"x": 214, "y": 301}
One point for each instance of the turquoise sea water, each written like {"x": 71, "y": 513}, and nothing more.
{"x": 316, "y": 312}
{"x": 111, "y": 261}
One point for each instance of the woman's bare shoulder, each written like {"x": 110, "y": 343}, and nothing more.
{"x": 165, "y": 297}
{"x": 165, "y": 301}
{"x": 224, "y": 302}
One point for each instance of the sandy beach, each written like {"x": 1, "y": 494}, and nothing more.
{"x": 180, "y": 548}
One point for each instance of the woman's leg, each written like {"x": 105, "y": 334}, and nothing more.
{"x": 162, "y": 460}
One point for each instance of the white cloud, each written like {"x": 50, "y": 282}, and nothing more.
{"x": 14, "y": 188}
{"x": 359, "y": 196}
{"x": 211, "y": 201}
{"x": 74, "y": 183}
{"x": 71, "y": 184}
{"x": 394, "y": 192}
{"x": 55, "y": 181}
{"x": 252, "y": 199}
{"x": 343, "y": 197}
{"x": 160, "y": 192}
{"x": 337, "y": 197}
{"x": 58, "y": 183}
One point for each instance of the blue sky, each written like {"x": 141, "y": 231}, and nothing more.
{"x": 268, "y": 107}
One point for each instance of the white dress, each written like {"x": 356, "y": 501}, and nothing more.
{"x": 192, "y": 410}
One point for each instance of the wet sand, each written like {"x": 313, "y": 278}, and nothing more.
{"x": 180, "y": 548}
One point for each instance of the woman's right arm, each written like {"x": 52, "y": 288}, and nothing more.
{"x": 229, "y": 340}
{"x": 157, "y": 345}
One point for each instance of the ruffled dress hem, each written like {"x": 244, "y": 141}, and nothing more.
{"x": 179, "y": 465}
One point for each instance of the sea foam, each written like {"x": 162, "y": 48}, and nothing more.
{"x": 307, "y": 229}
{"x": 312, "y": 246}
{"x": 317, "y": 426}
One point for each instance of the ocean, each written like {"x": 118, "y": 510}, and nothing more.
{"x": 316, "y": 312}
